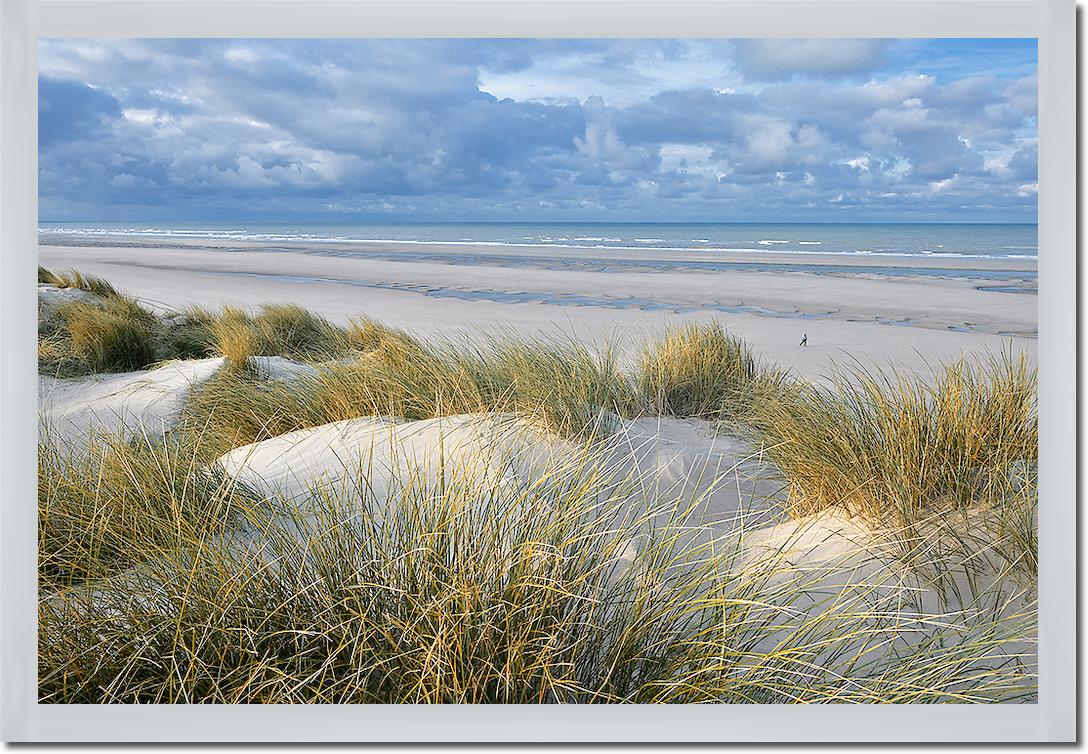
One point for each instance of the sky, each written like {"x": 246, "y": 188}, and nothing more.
{"x": 656, "y": 130}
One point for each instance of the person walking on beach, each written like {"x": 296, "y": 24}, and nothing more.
{"x": 804, "y": 339}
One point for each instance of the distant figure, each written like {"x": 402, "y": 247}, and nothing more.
{"x": 804, "y": 339}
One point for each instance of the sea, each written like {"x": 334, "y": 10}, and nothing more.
{"x": 981, "y": 241}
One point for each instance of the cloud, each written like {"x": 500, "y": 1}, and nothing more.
{"x": 782, "y": 58}
{"x": 621, "y": 72}
{"x": 70, "y": 110}
{"x": 532, "y": 129}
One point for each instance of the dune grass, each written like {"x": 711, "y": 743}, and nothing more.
{"x": 398, "y": 378}
{"x": 276, "y": 330}
{"x": 569, "y": 389}
{"x": 116, "y": 333}
{"x": 83, "y": 338}
{"x": 188, "y": 335}
{"x": 236, "y": 407}
{"x": 76, "y": 279}
{"x": 896, "y": 450}
{"x": 112, "y": 507}
{"x": 463, "y": 589}
{"x": 79, "y": 337}
{"x": 701, "y": 370}
{"x": 562, "y": 387}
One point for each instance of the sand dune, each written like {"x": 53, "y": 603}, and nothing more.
{"x": 658, "y": 462}
{"x": 145, "y": 403}
{"x": 828, "y": 582}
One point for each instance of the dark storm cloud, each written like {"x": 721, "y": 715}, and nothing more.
{"x": 70, "y": 110}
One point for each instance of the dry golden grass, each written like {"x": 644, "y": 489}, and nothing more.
{"x": 364, "y": 335}
{"x": 276, "y": 330}
{"x": 78, "y": 337}
{"x": 106, "y": 338}
{"x": 188, "y": 335}
{"x": 236, "y": 407}
{"x": 564, "y": 388}
{"x": 897, "y": 450}
{"x": 467, "y": 590}
{"x": 112, "y": 333}
{"x": 236, "y": 337}
{"x": 76, "y": 279}
{"x": 398, "y": 378}
{"x": 702, "y": 370}
{"x": 112, "y": 507}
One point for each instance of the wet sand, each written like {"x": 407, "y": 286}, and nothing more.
{"x": 906, "y": 312}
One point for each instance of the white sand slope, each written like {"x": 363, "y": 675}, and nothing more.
{"x": 278, "y": 368}
{"x": 653, "y": 463}
{"x": 656, "y": 462}
{"x": 133, "y": 403}
{"x": 382, "y": 455}
{"x": 686, "y": 462}
{"x": 50, "y": 296}
{"x": 828, "y": 578}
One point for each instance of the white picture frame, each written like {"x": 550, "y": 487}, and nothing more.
{"x": 1053, "y": 718}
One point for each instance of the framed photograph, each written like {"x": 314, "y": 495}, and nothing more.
{"x": 533, "y": 361}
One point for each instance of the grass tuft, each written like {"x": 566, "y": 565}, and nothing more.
{"x": 568, "y": 389}
{"x": 109, "y": 338}
{"x": 76, "y": 279}
{"x": 701, "y": 370}
{"x": 236, "y": 337}
{"x": 105, "y": 510}
{"x": 188, "y": 335}
{"x": 565, "y": 389}
{"x": 291, "y": 331}
{"x": 364, "y": 335}
{"x": 236, "y": 407}
{"x": 895, "y": 449}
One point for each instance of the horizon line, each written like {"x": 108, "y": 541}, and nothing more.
{"x": 552, "y": 222}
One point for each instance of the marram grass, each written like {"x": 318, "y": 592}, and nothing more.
{"x": 562, "y": 387}
{"x": 115, "y": 333}
{"x": 276, "y": 330}
{"x": 890, "y": 445}
{"x": 461, "y": 589}
{"x": 701, "y": 370}
{"x": 101, "y": 510}
{"x": 76, "y": 279}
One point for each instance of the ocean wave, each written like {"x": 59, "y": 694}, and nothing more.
{"x": 700, "y": 245}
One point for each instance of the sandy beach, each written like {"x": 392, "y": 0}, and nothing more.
{"x": 909, "y": 313}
